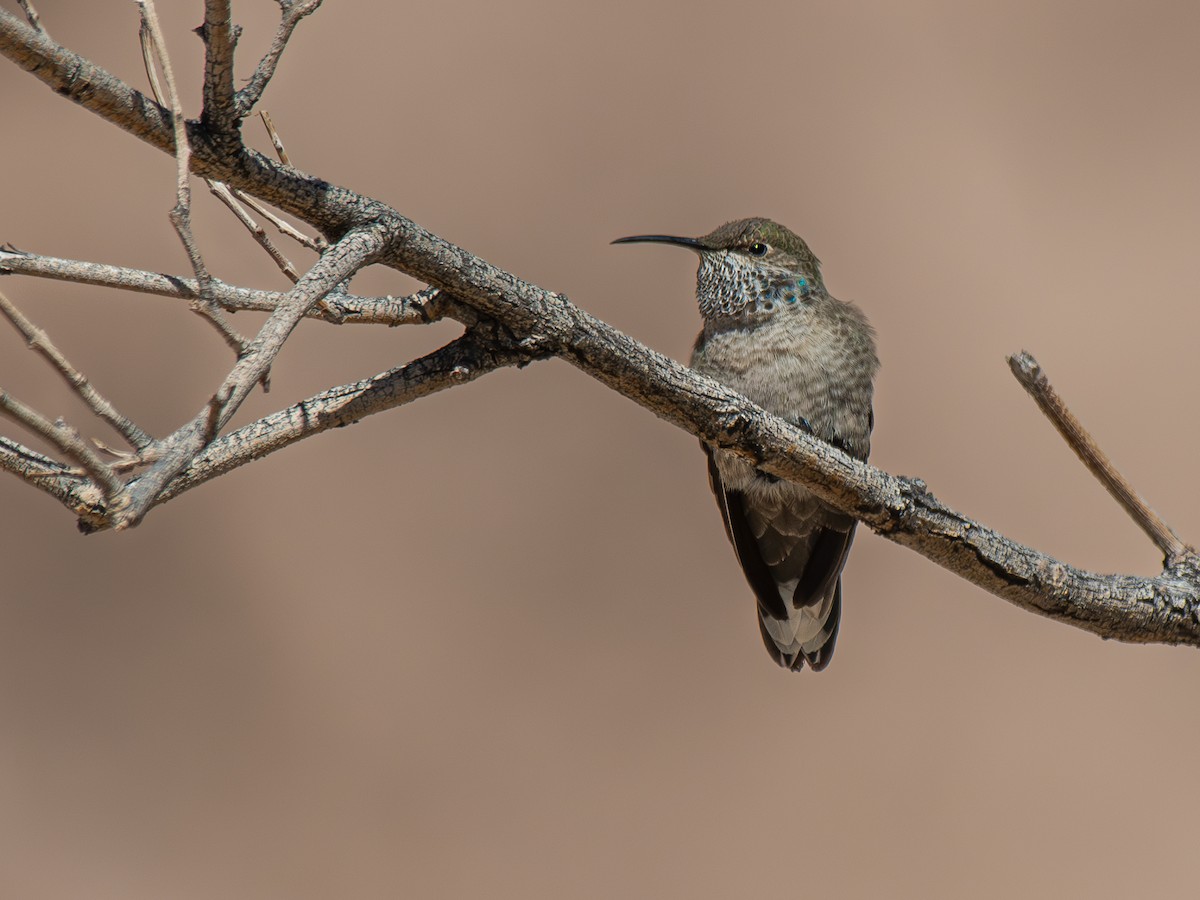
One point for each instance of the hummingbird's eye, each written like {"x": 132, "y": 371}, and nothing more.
{"x": 758, "y": 248}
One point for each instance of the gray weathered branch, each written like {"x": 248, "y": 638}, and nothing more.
{"x": 474, "y": 354}
{"x": 1034, "y": 380}
{"x": 74, "y": 490}
{"x": 220, "y": 37}
{"x": 355, "y": 250}
{"x": 291, "y": 12}
{"x": 421, "y": 308}
{"x": 39, "y": 342}
{"x": 67, "y": 440}
{"x": 527, "y": 322}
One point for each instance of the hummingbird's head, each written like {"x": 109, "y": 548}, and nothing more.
{"x": 748, "y": 268}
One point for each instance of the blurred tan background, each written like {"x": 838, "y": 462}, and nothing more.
{"x": 494, "y": 644}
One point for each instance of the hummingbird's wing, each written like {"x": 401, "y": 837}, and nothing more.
{"x": 792, "y": 549}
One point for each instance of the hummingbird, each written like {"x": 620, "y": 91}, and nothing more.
{"x": 775, "y": 335}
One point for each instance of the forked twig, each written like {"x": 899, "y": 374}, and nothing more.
{"x": 124, "y": 461}
{"x": 219, "y": 40}
{"x": 149, "y": 65}
{"x": 355, "y": 250}
{"x": 466, "y": 358}
{"x": 1029, "y": 373}
{"x": 154, "y": 48}
{"x": 292, "y": 11}
{"x": 66, "y": 439}
{"x": 40, "y": 342}
{"x": 226, "y": 196}
{"x": 316, "y": 244}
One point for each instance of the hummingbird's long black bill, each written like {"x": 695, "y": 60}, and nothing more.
{"x": 690, "y": 243}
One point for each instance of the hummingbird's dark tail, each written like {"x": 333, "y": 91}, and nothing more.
{"x": 817, "y": 651}
{"x": 792, "y": 549}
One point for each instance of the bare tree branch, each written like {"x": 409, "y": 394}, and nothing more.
{"x": 535, "y": 322}
{"x": 220, "y": 37}
{"x": 65, "y": 439}
{"x": 31, "y": 14}
{"x": 460, "y": 362}
{"x": 292, "y": 12}
{"x": 1034, "y": 380}
{"x": 355, "y": 250}
{"x": 40, "y": 342}
{"x": 220, "y": 118}
{"x": 148, "y": 62}
{"x": 29, "y": 465}
{"x": 76, "y": 492}
{"x": 222, "y": 193}
{"x": 421, "y": 308}
{"x": 275, "y": 139}
{"x": 154, "y": 48}
{"x": 316, "y": 244}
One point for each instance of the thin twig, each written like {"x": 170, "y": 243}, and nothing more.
{"x": 35, "y": 21}
{"x": 422, "y": 308}
{"x": 219, "y": 38}
{"x": 147, "y": 45}
{"x": 274, "y": 135}
{"x": 292, "y": 12}
{"x": 316, "y": 244}
{"x": 154, "y": 47}
{"x": 124, "y": 461}
{"x": 222, "y": 193}
{"x": 1034, "y": 380}
{"x": 40, "y": 342}
{"x": 66, "y": 439}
